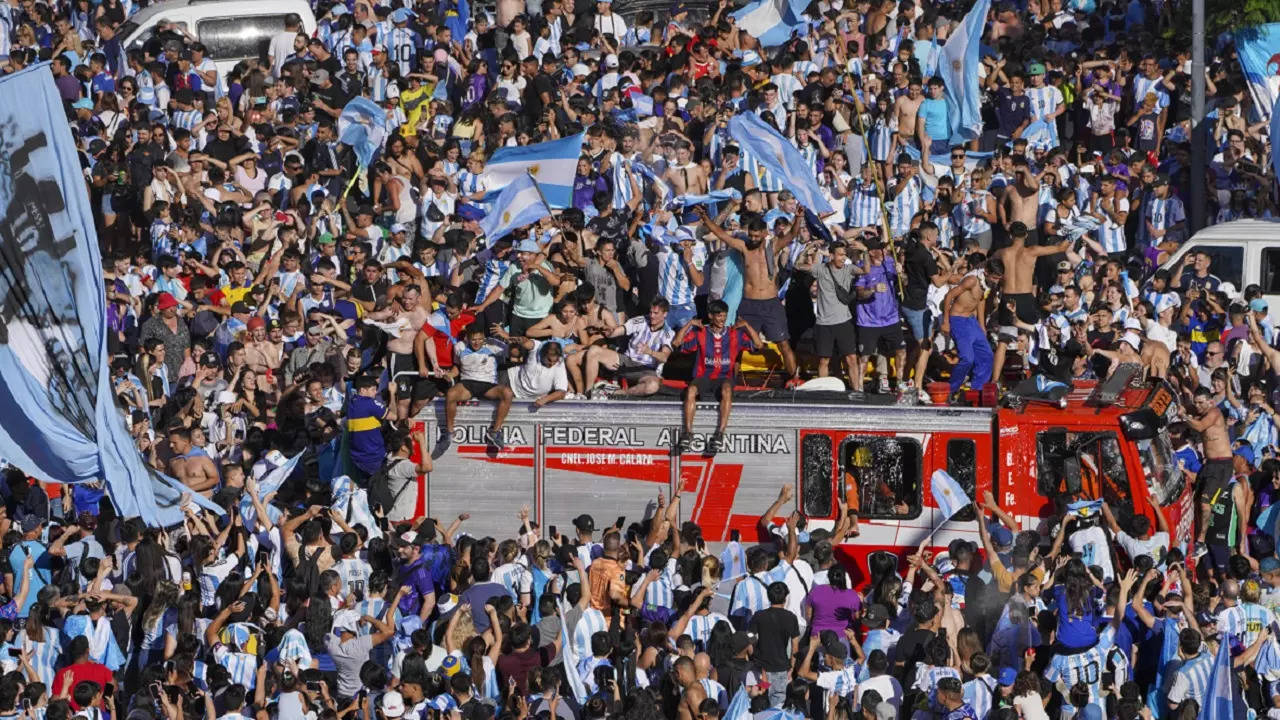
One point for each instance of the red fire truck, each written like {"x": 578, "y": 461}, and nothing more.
{"x": 612, "y": 458}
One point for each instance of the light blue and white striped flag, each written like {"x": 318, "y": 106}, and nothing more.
{"x": 714, "y": 196}
{"x": 517, "y": 205}
{"x": 569, "y": 654}
{"x": 1223, "y": 699}
{"x": 363, "y": 126}
{"x": 773, "y": 151}
{"x": 947, "y": 493}
{"x": 740, "y": 706}
{"x": 269, "y": 483}
{"x": 772, "y": 22}
{"x": 959, "y": 70}
{"x": 552, "y": 164}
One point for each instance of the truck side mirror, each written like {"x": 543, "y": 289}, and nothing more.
{"x": 1141, "y": 424}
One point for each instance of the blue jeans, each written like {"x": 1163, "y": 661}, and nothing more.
{"x": 680, "y": 315}
{"x": 917, "y": 320}
{"x": 975, "y": 353}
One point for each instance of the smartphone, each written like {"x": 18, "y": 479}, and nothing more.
{"x": 621, "y": 522}
{"x": 15, "y": 652}
{"x": 156, "y": 690}
{"x": 313, "y": 685}
{"x": 108, "y": 690}
{"x": 26, "y": 705}
{"x": 262, "y": 557}
{"x": 552, "y": 529}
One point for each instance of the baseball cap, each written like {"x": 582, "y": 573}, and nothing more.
{"x": 1001, "y": 536}
{"x": 82, "y": 104}
{"x": 325, "y": 239}
{"x": 1008, "y": 676}
{"x": 31, "y": 522}
{"x": 1035, "y": 69}
{"x": 580, "y": 70}
{"x": 611, "y": 60}
{"x": 1269, "y": 564}
{"x": 257, "y": 322}
{"x": 210, "y": 359}
{"x": 165, "y": 301}
{"x": 1161, "y": 179}
{"x": 584, "y": 523}
{"x": 392, "y": 704}
{"x": 240, "y": 307}
{"x": 875, "y": 615}
{"x": 1064, "y": 266}
{"x": 1245, "y": 451}
{"x": 1258, "y": 305}
{"x": 398, "y": 228}
{"x": 741, "y": 640}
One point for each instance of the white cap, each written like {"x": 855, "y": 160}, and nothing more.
{"x": 392, "y": 704}
{"x": 399, "y": 228}
{"x": 1132, "y": 324}
{"x": 1134, "y": 341}
{"x": 611, "y": 60}
{"x": 580, "y": 70}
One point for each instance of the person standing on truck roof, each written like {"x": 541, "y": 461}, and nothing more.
{"x": 411, "y": 379}
{"x": 878, "y": 314}
{"x": 834, "y": 335}
{"x": 760, "y": 305}
{"x": 715, "y": 366}
{"x": 964, "y": 319}
{"x": 1216, "y": 473}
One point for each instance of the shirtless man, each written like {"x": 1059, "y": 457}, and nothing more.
{"x": 562, "y": 326}
{"x": 964, "y": 319}
{"x": 409, "y": 315}
{"x": 1018, "y": 299}
{"x": 1217, "y": 470}
{"x": 691, "y": 692}
{"x": 686, "y": 176}
{"x": 260, "y": 352}
{"x": 1020, "y": 202}
{"x": 191, "y": 466}
{"x": 760, "y": 305}
{"x": 905, "y": 110}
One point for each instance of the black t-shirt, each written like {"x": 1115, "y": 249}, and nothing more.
{"x": 532, "y": 99}
{"x": 776, "y": 627}
{"x": 370, "y": 292}
{"x": 224, "y": 150}
{"x": 911, "y": 648}
{"x": 920, "y": 267}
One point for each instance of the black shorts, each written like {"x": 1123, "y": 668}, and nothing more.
{"x": 409, "y": 384}
{"x": 1214, "y": 476}
{"x": 1217, "y": 555}
{"x": 832, "y": 341}
{"x": 1026, "y": 309}
{"x": 881, "y": 339}
{"x": 477, "y": 388}
{"x": 704, "y": 386}
{"x": 768, "y": 318}
{"x": 632, "y": 371}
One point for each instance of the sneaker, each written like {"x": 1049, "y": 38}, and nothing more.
{"x": 716, "y": 443}
{"x": 598, "y": 395}
{"x": 442, "y": 445}
{"x": 1199, "y": 551}
{"x": 794, "y": 382}
{"x": 574, "y": 396}
{"x": 686, "y": 441}
{"x": 884, "y": 386}
{"x": 494, "y": 439}
{"x": 608, "y": 387}
{"x": 924, "y": 397}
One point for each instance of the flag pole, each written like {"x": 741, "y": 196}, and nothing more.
{"x": 541, "y": 197}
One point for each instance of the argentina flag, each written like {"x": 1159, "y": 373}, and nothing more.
{"x": 363, "y": 126}
{"x": 777, "y": 155}
{"x": 1223, "y": 699}
{"x": 947, "y": 494}
{"x": 959, "y": 70}
{"x": 58, "y": 417}
{"x": 1259, "y": 50}
{"x": 517, "y": 205}
{"x": 772, "y": 22}
{"x": 552, "y": 164}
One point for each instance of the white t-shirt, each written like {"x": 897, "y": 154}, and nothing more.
{"x": 1155, "y": 546}
{"x": 532, "y": 380}
{"x": 281, "y": 48}
{"x": 1092, "y": 545}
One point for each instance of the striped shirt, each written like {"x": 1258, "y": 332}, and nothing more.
{"x": 186, "y": 119}
{"x": 751, "y": 592}
{"x": 1111, "y": 235}
{"x": 673, "y": 280}
{"x": 661, "y": 592}
{"x": 1191, "y": 680}
{"x": 864, "y": 204}
{"x": 1161, "y": 213}
{"x": 717, "y": 354}
{"x": 715, "y": 691}
{"x": 1143, "y": 85}
{"x": 378, "y": 83}
{"x": 620, "y": 178}
{"x": 975, "y": 201}
{"x": 699, "y": 628}
{"x": 978, "y": 693}
{"x": 354, "y": 574}
{"x": 493, "y": 272}
{"x": 44, "y": 653}
{"x": 515, "y": 578}
{"x": 1042, "y": 101}
{"x": 1085, "y": 667}
{"x": 161, "y": 242}
{"x": 839, "y": 683}
{"x": 402, "y": 48}
{"x": 881, "y": 139}
{"x": 927, "y": 677}
{"x": 1245, "y": 621}
{"x": 591, "y": 622}
{"x": 242, "y": 667}
{"x": 904, "y": 206}
{"x": 470, "y": 183}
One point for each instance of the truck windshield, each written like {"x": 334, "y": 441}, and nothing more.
{"x": 1164, "y": 478}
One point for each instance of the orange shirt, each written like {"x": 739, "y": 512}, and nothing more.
{"x": 604, "y": 577}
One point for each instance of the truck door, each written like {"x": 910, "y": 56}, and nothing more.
{"x": 1082, "y": 464}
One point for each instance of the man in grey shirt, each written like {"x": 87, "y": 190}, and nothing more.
{"x": 402, "y": 476}
{"x": 833, "y": 334}
{"x": 350, "y": 652}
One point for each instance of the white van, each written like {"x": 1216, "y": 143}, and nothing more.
{"x": 232, "y": 30}
{"x": 1244, "y": 252}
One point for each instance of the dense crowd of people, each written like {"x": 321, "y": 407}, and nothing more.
{"x": 268, "y": 297}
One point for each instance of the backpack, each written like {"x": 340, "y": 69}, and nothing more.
{"x": 307, "y": 571}
{"x": 380, "y": 495}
